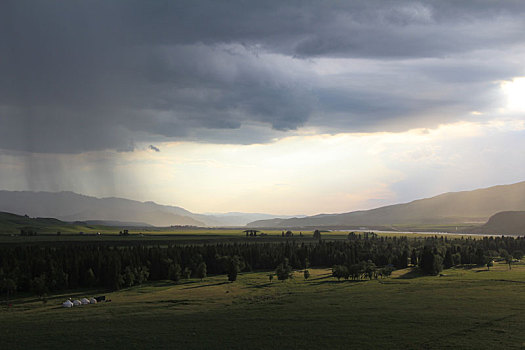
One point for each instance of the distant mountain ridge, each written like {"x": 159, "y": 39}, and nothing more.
{"x": 474, "y": 206}
{"x": 241, "y": 219}
{"x": 71, "y": 206}
{"x": 113, "y": 223}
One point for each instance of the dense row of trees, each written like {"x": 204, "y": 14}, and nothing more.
{"x": 363, "y": 270}
{"x": 47, "y": 269}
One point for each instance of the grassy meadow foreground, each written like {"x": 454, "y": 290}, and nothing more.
{"x": 465, "y": 308}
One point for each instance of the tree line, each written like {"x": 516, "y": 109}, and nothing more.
{"x": 42, "y": 270}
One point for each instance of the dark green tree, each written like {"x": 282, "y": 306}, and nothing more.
{"x": 141, "y": 274}
{"x": 91, "y": 279}
{"x": 456, "y": 259}
{"x": 128, "y": 276}
{"x": 39, "y": 285}
{"x": 517, "y": 254}
{"x": 370, "y": 269}
{"x": 201, "y": 270}
{"x": 174, "y": 272}
{"x": 284, "y": 270}
{"x": 8, "y": 286}
{"x": 233, "y": 268}
{"x": 413, "y": 258}
{"x": 431, "y": 263}
{"x": 448, "y": 262}
{"x": 387, "y": 271}
{"x": 480, "y": 258}
{"x": 355, "y": 271}
{"x": 508, "y": 260}
{"x": 437, "y": 264}
{"x": 306, "y": 274}
{"x": 340, "y": 271}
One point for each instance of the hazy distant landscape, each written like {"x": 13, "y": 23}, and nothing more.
{"x": 459, "y": 208}
{"x": 69, "y": 206}
{"x": 477, "y": 211}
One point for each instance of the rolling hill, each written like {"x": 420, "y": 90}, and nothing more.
{"x": 467, "y": 207}
{"x": 505, "y": 222}
{"x": 70, "y": 206}
{"x": 446, "y": 209}
{"x": 12, "y": 224}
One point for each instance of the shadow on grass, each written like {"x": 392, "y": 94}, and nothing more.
{"x": 62, "y": 295}
{"x": 147, "y": 287}
{"x": 172, "y": 302}
{"x": 334, "y": 281}
{"x": 393, "y": 281}
{"x": 207, "y": 285}
{"x": 467, "y": 267}
{"x": 321, "y": 277}
{"x": 162, "y": 284}
{"x": 414, "y": 273}
{"x": 267, "y": 284}
{"x": 510, "y": 281}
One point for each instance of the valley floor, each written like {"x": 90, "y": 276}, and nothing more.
{"x": 466, "y": 308}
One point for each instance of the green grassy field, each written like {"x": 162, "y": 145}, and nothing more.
{"x": 467, "y": 308}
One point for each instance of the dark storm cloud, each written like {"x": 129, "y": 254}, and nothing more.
{"x": 82, "y": 76}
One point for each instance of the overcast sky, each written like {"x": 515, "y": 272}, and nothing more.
{"x": 287, "y": 107}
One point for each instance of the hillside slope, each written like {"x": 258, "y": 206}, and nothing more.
{"x": 505, "y": 222}
{"x": 70, "y": 206}
{"x": 12, "y": 224}
{"x": 450, "y": 208}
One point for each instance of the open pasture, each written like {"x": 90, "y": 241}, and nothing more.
{"x": 466, "y": 308}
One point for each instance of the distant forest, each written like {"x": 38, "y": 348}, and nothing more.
{"x": 42, "y": 270}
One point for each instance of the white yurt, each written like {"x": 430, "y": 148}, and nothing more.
{"x": 67, "y": 303}
{"x": 92, "y": 301}
{"x": 76, "y": 303}
{"x": 84, "y": 301}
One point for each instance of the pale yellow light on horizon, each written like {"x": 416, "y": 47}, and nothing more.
{"x": 302, "y": 174}
{"x": 514, "y": 91}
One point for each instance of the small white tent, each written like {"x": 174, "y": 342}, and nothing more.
{"x": 76, "y": 303}
{"x": 84, "y": 301}
{"x": 92, "y": 301}
{"x": 67, "y": 303}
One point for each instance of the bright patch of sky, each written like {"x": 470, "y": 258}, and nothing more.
{"x": 306, "y": 174}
